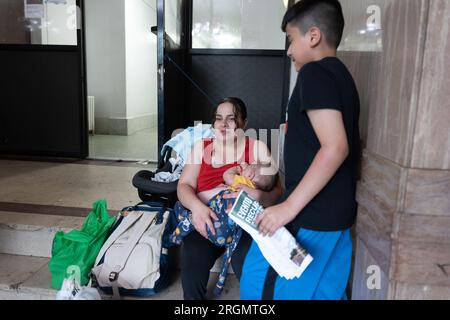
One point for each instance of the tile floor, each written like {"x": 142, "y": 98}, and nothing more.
{"x": 68, "y": 184}
{"x": 142, "y": 145}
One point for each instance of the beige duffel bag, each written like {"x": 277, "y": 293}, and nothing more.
{"x": 129, "y": 261}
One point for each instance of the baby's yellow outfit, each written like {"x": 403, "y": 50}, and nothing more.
{"x": 238, "y": 179}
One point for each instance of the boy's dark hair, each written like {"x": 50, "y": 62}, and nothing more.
{"x": 239, "y": 109}
{"x": 326, "y": 15}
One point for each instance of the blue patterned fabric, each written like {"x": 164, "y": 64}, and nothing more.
{"x": 227, "y": 235}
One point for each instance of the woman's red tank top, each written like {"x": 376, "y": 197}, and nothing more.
{"x": 210, "y": 177}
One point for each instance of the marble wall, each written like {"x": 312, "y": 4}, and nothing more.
{"x": 431, "y": 145}
{"x": 398, "y": 52}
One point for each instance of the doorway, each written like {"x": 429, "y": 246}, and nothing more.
{"x": 121, "y": 69}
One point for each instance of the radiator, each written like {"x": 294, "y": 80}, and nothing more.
{"x": 91, "y": 114}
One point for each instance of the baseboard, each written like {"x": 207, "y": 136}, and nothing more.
{"x": 125, "y": 126}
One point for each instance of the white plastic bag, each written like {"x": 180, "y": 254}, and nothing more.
{"x": 71, "y": 290}
{"x": 86, "y": 293}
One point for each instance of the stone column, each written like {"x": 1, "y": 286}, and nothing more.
{"x": 403, "y": 225}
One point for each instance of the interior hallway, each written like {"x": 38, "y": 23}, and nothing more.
{"x": 69, "y": 185}
{"x": 38, "y": 199}
{"x": 142, "y": 145}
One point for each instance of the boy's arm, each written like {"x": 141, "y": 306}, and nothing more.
{"x": 329, "y": 128}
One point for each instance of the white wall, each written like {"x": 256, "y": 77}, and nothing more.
{"x": 249, "y": 24}
{"x": 173, "y": 19}
{"x": 141, "y": 59}
{"x": 105, "y": 57}
{"x": 261, "y": 24}
{"x": 58, "y": 26}
{"x": 121, "y": 64}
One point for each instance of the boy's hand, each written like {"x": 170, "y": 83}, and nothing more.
{"x": 273, "y": 218}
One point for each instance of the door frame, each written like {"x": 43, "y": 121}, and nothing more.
{"x": 81, "y": 43}
{"x": 160, "y": 22}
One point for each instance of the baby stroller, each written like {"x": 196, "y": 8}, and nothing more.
{"x": 166, "y": 192}
{"x": 154, "y": 191}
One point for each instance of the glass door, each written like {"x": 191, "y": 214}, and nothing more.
{"x": 43, "y": 108}
{"x": 121, "y": 55}
{"x": 171, "y": 25}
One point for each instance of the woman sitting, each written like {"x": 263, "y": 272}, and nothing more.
{"x": 203, "y": 178}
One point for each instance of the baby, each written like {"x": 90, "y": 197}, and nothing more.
{"x": 249, "y": 175}
{"x": 227, "y": 232}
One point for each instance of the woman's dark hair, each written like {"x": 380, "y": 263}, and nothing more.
{"x": 239, "y": 110}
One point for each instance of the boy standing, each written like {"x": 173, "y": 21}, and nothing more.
{"x": 321, "y": 160}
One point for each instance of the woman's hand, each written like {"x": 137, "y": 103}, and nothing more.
{"x": 273, "y": 218}
{"x": 201, "y": 217}
{"x": 249, "y": 172}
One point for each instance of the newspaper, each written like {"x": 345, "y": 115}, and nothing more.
{"x": 282, "y": 251}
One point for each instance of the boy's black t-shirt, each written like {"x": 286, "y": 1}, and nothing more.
{"x": 324, "y": 84}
